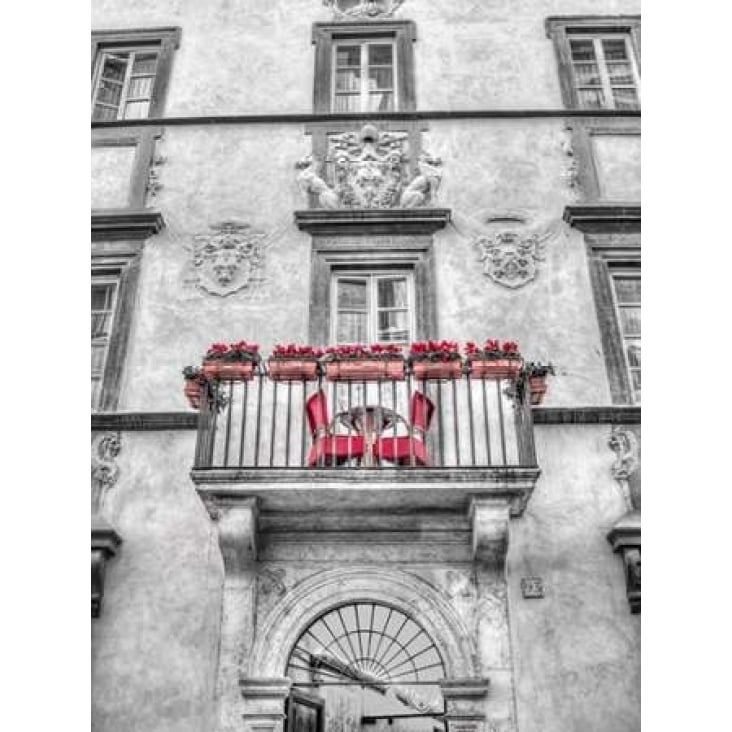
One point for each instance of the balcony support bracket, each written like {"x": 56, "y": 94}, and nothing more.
{"x": 237, "y": 529}
{"x": 489, "y": 518}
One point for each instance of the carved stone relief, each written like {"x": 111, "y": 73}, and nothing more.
{"x": 570, "y": 175}
{"x": 532, "y": 587}
{"x": 104, "y": 468}
{"x": 229, "y": 259}
{"x": 369, "y": 169}
{"x": 624, "y": 443}
{"x": 510, "y": 251}
{"x": 350, "y": 9}
{"x": 271, "y": 581}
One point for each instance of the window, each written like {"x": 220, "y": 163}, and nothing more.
{"x": 373, "y": 307}
{"x": 130, "y": 72}
{"x": 364, "y": 77}
{"x": 103, "y": 301}
{"x": 604, "y": 72}
{"x": 627, "y": 296}
{"x": 364, "y": 67}
{"x": 599, "y": 60}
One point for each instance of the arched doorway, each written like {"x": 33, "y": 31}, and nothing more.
{"x": 365, "y": 666}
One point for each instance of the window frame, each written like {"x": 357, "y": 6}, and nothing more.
{"x": 103, "y": 276}
{"x": 372, "y": 276}
{"x": 617, "y": 271}
{"x": 163, "y": 40}
{"x": 402, "y": 33}
{"x": 560, "y": 29}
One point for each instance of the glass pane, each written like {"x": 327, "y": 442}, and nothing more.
{"x": 101, "y": 296}
{"x": 392, "y": 293}
{"x": 101, "y": 113}
{"x": 625, "y": 98}
{"x": 620, "y": 73}
{"x": 100, "y": 324}
{"x": 94, "y": 392}
{"x": 582, "y": 50}
{"x": 349, "y": 80}
{"x": 380, "y": 79}
{"x": 352, "y": 328}
{"x": 97, "y": 357}
{"x": 347, "y": 103}
{"x": 587, "y": 75}
{"x": 630, "y": 321}
{"x": 381, "y": 102}
{"x": 636, "y": 377}
{"x": 628, "y": 289}
{"x": 614, "y": 49}
{"x": 393, "y": 327}
{"x": 348, "y": 56}
{"x": 140, "y": 87}
{"x": 136, "y": 110}
{"x": 109, "y": 92}
{"x": 352, "y": 295}
{"x": 115, "y": 67}
{"x": 634, "y": 354}
{"x": 144, "y": 63}
{"x": 591, "y": 98}
{"x": 380, "y": 55}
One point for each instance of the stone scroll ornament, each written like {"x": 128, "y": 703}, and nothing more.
{"x": 511, "y": 254}
{"x": 104, "y": 468}
{"x": 229, "y": 258}
{"x": 368, "y": 169}
{"x": 347, "y": 9}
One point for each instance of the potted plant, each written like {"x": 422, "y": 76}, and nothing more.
{"x": 233, "y": 362}
{"x": 435, "y": 360}
{"x": 494, "y": 360}
{"x": 194, "y": 383}
{"x": 364, "y": 363}
{"x": 294, "y": 363}
{"x": 536, "y": 374}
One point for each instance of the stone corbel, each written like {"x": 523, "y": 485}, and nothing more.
{"x": 625, "y": 539}
{"x": 237, "y": 529}
{"x": 465, "y": 704}
{"x": 264, "y": 701}
{"x": 489, "y": 518}
{"x": 104, "y": 543}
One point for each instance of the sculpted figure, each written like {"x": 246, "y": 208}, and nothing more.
{"x": 310, "y": 182}
{"x": 423, "y": 188}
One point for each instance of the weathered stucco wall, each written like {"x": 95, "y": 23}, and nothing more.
{"x": 256, "y": 56}
{"x": 154, "y": 646}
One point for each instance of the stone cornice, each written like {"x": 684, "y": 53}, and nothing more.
{"x": 604, "y": 217}
{"x": 125, "y": 223}
{"x": 372, "y": 221}
{"x": 143, "y": 421}
{"x": 587, "y": 415}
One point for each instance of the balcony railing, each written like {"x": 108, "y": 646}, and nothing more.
{"x": 464, "y": 422}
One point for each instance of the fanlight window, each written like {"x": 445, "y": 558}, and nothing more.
{"x": 376, "y": 647}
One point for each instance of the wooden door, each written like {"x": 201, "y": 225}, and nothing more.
{"x": 305, "y": 713}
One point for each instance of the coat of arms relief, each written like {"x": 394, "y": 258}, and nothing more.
{"x": 369, "y": 169}
{"x": 229, "y": 258}
{"x": 348, "y": 9}
{"x": 511, "y": 250}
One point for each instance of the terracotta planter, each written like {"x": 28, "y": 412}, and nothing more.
{"x": 364, "y": 370}
{"x": 437, "y": 369}
{"x": 229, "y": 370}
{"x": 292, "y": 369}
{"x": 537, "y": 389}
{"x": 192, "y": 391}
{"x": 495, "y": 368}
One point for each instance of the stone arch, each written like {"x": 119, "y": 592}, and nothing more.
{"x": 328, "y": 589}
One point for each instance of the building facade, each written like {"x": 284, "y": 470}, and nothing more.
{"x": 329, "y": 554}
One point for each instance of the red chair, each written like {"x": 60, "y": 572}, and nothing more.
{"x": 327, "y": 448}
{"x": 411, "y": 449}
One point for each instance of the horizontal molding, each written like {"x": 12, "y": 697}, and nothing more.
{"x": 144, "y": 421}
{"x": 125, "y": 223}
{"x": 372, "y": 221}
{"x": 587, "y": 415}
{"x": 242, "y": 119}
{"x": 604, "y": 217}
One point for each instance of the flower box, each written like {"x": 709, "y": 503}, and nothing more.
{"x": 192, "y": 392}
{"x": 292, "y": 369}
{"x": 537, "y": 389}
{"x": 228, "y": 370}
{"x": 437, "y": 369}
{"x": 366, "y": 369}
{"x": 495, "y": 368}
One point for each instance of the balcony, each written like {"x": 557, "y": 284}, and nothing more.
{"x": 398, "y": 444}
